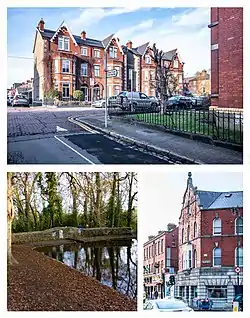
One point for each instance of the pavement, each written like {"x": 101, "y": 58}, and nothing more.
{"x": 43, "y": 135}
{"x": 161, "y": 141}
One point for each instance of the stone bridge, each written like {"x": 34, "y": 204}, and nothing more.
{"x": 75, "y": 234}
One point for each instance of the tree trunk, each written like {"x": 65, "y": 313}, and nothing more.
{"x": 10, "y": 216}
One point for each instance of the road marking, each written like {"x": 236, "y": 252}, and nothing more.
{"x": 58, "y": 128}
{"x": 82, "y": 126}
{"x": 64, "y": 143}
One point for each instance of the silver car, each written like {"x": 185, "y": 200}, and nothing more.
{"x": 166, "y": 304}
{"x": 20, "y": 100}
{"x": 99, "y": 103}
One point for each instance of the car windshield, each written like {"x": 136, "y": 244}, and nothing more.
{"x": 122, "y": 94}
{"x": 171, "y": 304}
{"x": 238, "y": 297}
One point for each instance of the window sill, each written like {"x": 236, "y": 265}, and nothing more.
{"x": 216, "y": 234}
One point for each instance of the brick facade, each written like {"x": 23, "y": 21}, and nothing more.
{"x": 79, "y": 64}
{"x": 227, "y": 57}
{"x": 160, "y": 254}
{"x": 199, "y": 84}
{"x": 201, "y": 239}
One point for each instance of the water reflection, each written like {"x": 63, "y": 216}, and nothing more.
{"x": 114, "y": 264}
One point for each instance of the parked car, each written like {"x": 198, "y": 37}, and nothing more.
{"x": 20, "y": 100}
{"x": 112, "y": 101}
{"x": 179, "y": 102}
{"x": 9, "y": 100}
{"x": 99, "y": 103}
{"x": 136, "y": 101}
{"x": 166, "y": 304}
{"x": 155, "y": 99}
{"x": 239, "y": 299}
{"x": 201, "y": 101}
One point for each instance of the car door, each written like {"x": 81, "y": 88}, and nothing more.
{"x": 145, "y": 101}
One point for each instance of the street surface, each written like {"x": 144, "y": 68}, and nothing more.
{"x": 46, "y": 136}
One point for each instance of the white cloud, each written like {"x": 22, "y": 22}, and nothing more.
{"x": 188, "y": 32}
{"x": 92, "y": 16}
{"x": 130, "y": 31}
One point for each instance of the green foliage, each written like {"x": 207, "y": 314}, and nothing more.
{"x": 78, "y": 95}
{"x": 52, "y": 93}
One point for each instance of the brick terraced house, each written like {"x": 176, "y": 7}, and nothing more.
{"x": 68, "y": 62}
{"x": 160, "y": 261}
{"x": 210, "y": 246}
{"x": 227, "y": 58}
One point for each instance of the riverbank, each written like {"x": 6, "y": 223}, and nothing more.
{"x": 39, "y": 283}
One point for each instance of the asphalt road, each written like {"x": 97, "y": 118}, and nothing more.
{"x": 45, "y": 136}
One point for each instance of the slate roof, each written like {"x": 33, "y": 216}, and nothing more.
{"x": 141, "y": 49}
{"x": 106, "y": 41}
{"x": 168, "y": 56}
{"x": 88, "y": 41}
{"x": 220, "y": 200}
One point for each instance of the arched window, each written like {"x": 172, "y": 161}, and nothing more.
{"x": 189, "y": 259}
{"x": 182, "y": 236}
{"x": 217, "y": 226}
{"x": 188, "y": 233}
{"x": 195, "y": 258}
{"x": 239, "y": 256}
{"x": 217, "y": 256}
{"x": 195, "y": 229}
{"x": 239, "y": 226}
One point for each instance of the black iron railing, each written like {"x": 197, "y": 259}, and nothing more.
{"x": 223, "y": 126}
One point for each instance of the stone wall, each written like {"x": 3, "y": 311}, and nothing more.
{"x": 70, "y": 233}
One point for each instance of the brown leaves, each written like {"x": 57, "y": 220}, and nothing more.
{"x": 41, "y": 283}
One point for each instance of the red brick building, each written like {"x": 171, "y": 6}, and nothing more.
{"x": 227, "y": 58}
{"x": 68, "y": 62}
{"x": 160, "y": 260}
{"x": 210, "y": 245}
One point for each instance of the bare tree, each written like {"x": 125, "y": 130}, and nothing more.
{"x": 166, "y": 82}
{"x": 10, "y": 217}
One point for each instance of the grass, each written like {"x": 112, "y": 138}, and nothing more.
{"x": 218, "y": 126}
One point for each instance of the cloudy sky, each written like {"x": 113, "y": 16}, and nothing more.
{"x": 161, "y": 194}
{"x": 182, "y": 28}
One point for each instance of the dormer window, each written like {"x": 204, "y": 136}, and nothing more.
{"x": 113, "y": 52}
{"x": 63, "y": 43}
{"x": 175, "y": 63}
{"x": 84, "y": 51}
{"x": 147, "y": 59}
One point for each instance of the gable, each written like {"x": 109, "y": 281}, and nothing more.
{"x": 112, "y": 40}
{"x": 60, "y": 30}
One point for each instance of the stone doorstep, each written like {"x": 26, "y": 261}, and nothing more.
{"x": 141, "y": 144}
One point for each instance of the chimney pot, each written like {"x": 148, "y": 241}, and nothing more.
{"x": 41, "y": 25}
{"x": 83, "y": 35}
{"x": 129, "y": 44}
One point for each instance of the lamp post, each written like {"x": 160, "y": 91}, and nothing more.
{"x": 106, "y": 89}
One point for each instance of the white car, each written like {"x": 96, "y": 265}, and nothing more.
{"x": 99, "y": 103}
{"x": 166, "y": 304}
{"x": 20, "y": 100}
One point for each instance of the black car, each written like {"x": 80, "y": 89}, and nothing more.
{"x": 239, "y": 299}
{"x": 179, "y": 102}
{"x": 136, "y": 101}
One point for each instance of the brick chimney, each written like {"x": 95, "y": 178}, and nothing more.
{"x": 129, "y": 44}
{"x": 170, "y": 227}
{"x": 83, "y": 35}
{"x": 41, "y": 25}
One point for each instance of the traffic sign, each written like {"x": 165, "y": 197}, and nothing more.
{"x": 237, "y": 269}
{"x": 112, "y": 73}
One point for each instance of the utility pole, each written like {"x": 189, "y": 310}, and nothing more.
{"x": 106, "y": 89}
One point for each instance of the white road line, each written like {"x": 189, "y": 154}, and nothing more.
{"x": 64, "y": 143}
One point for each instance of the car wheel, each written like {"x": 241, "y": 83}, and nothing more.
{"x": 103, "y": 104}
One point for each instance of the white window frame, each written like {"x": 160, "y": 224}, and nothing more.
{"x": 99, "y": 68}
{"x": 168, "y": 257}
{"x": 147, "y": 59}
{"x": 146, "y": 75}
{"x": 84, "y": 68}
{"x": 97, "y": 53}
{"x": 235, "y": 225}
{"x": 113, "y": 52}
{"x": 63, "y": 67}
{"x": 220, "y": 256}
{"x": 68, "y": 84}
{"x": 219, "y": 220}
{"x": 195, "y": 230}
{"x": 63, "y": 40}
{"x": 84, "y": 51}
{"x": 182, "y": 236}
{"x": 195, "y": 258}
{"x": 118, "y": 70}
{"x": 152, "y": 75}
{"x": 235, "y": 256}
{"x": 56, "y": 66}
{"x": 74, "y": 67}
{"x": 176, "y": 64}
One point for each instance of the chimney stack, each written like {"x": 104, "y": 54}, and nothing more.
{"x": 170, "y": 227}
{"x": 150, "y": 237}
{"x": 129, "y": 44}
{"x": 83, "y": 35}
{"x": 41, "y": 25}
